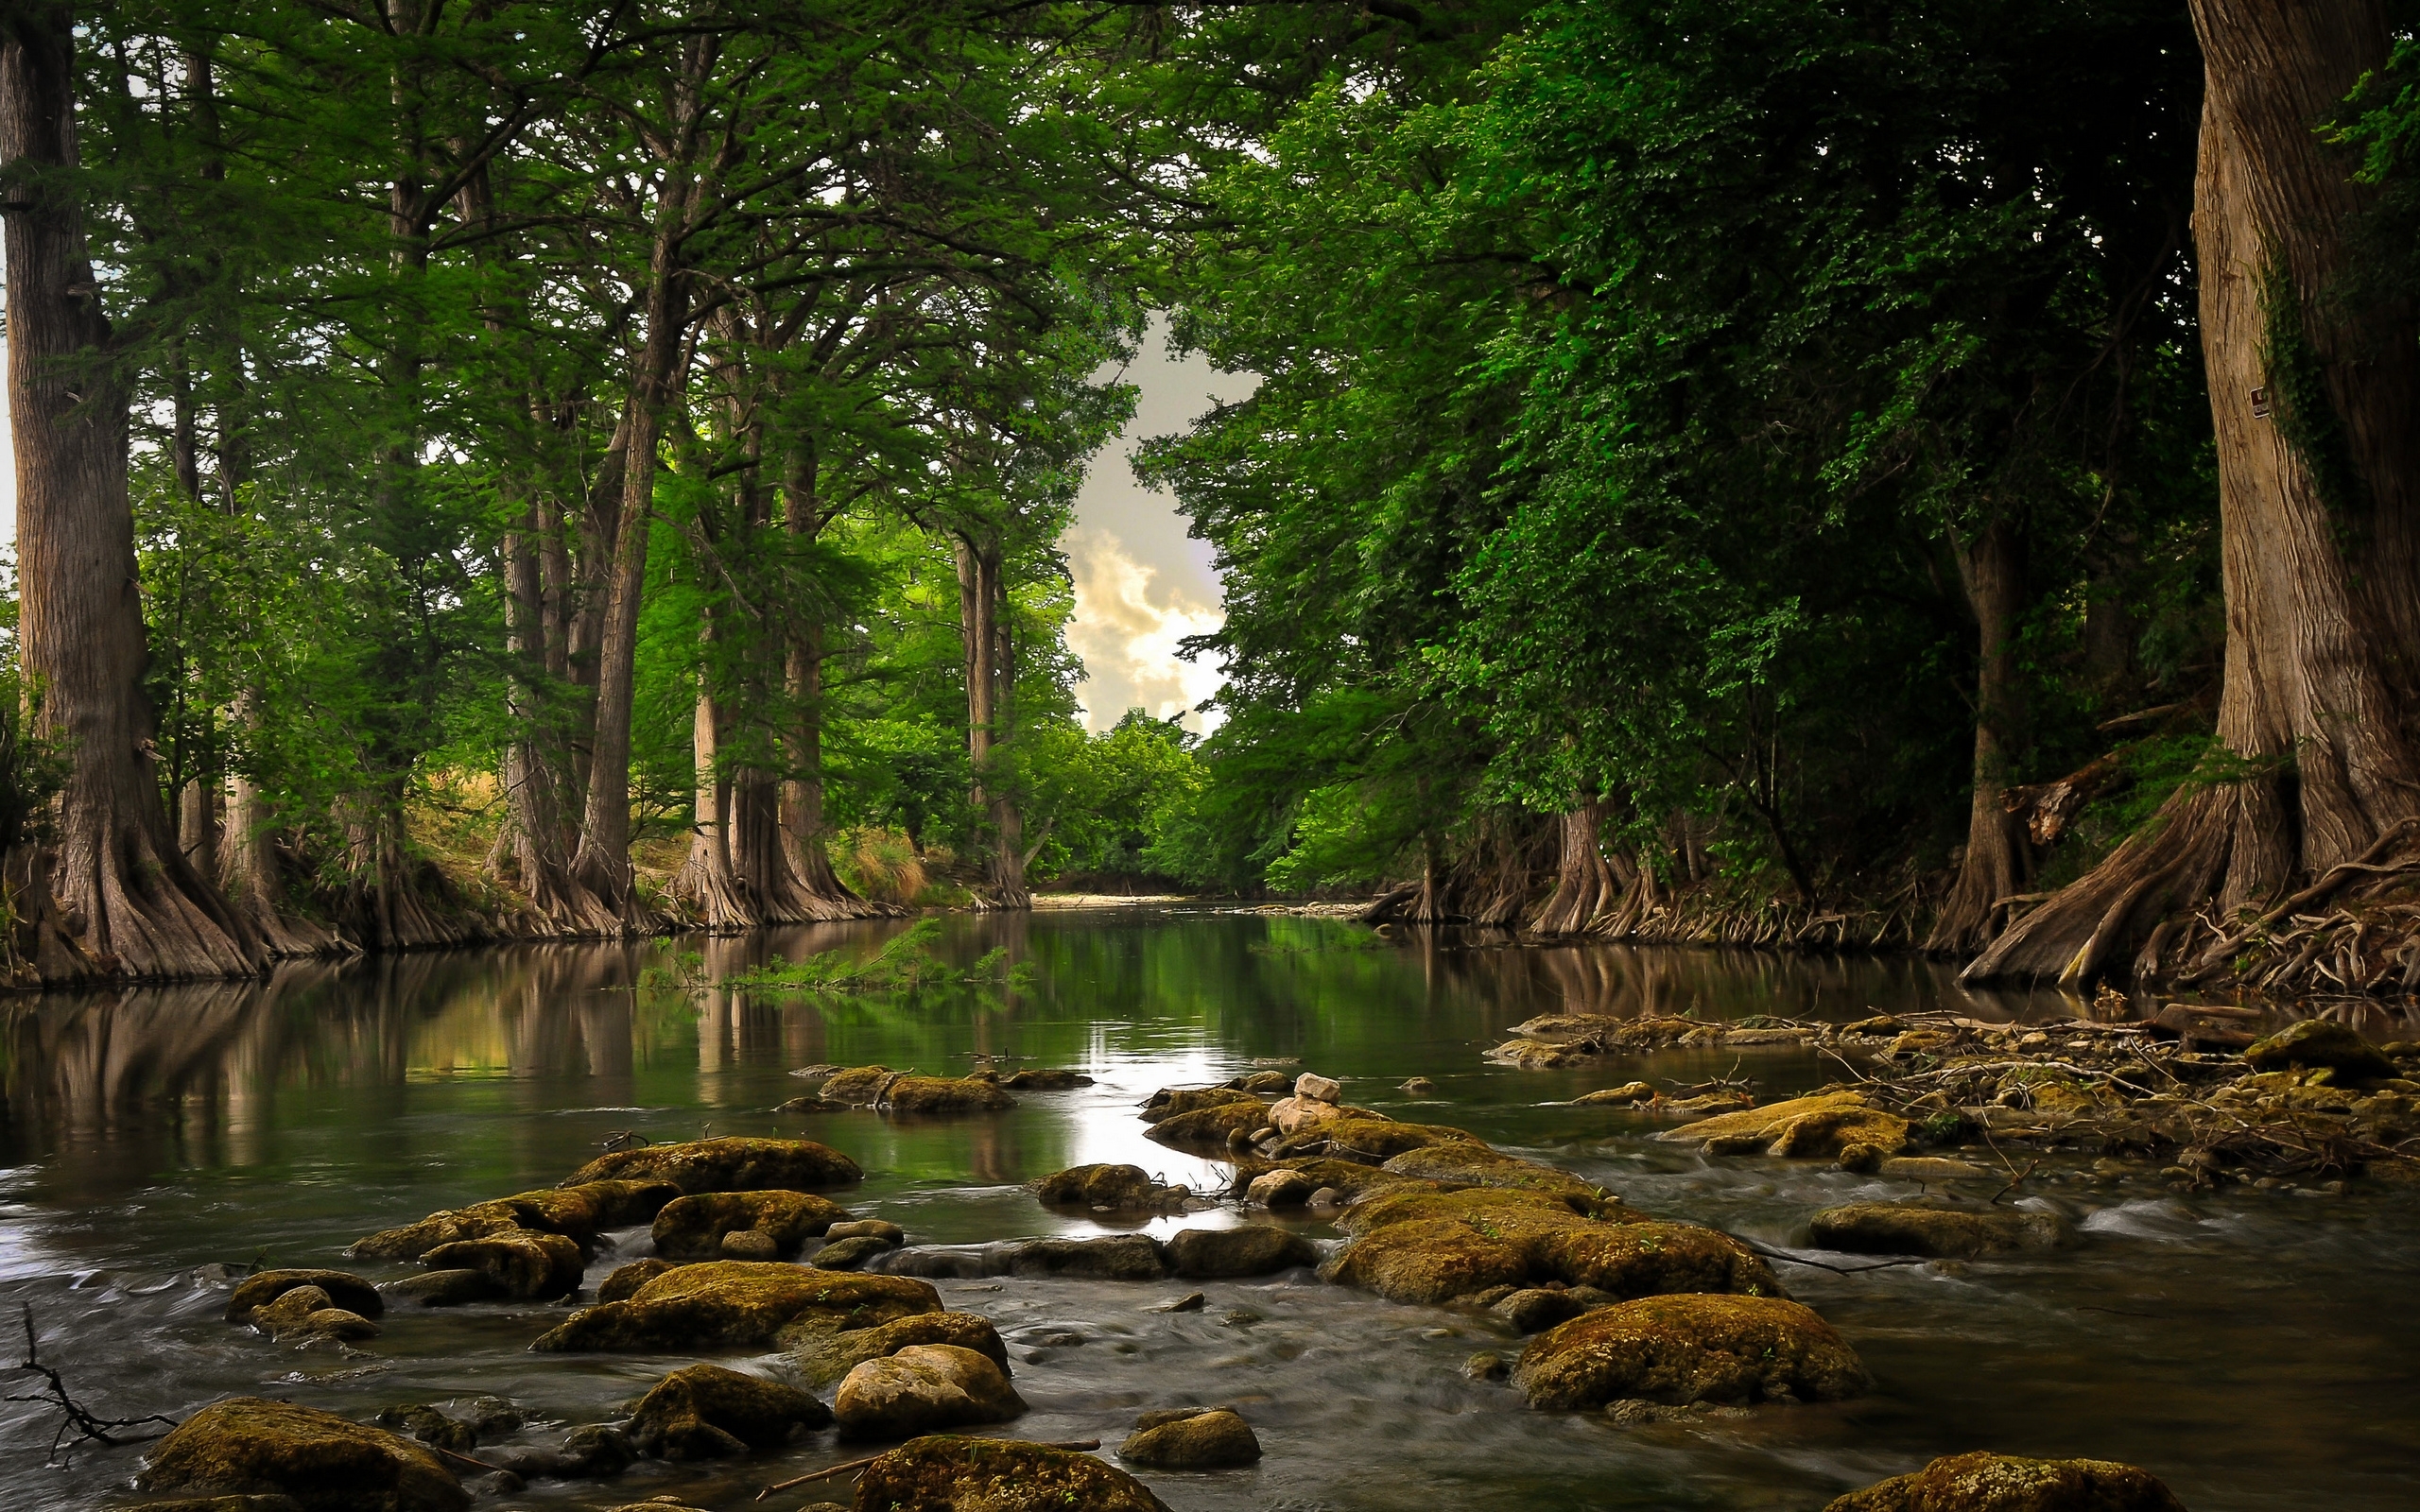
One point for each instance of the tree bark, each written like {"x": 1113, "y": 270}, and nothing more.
{"x": 1997, "y": 864}
{"x": 708, "y": 880}
{"x": 603, "y": 863}
{"x": 1584, "y": 883}
{"x": 2320, "y": 538}
{"x": 981, "y": 599}
{"x": 817, "y": 892}
{"x": 126, "y": 892}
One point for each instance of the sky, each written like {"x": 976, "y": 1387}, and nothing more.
{"x": 1141, "y": 584}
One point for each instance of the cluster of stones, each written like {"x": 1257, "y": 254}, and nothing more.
{"x": 2191, "y": 1087}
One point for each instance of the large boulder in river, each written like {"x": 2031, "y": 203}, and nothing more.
{"x": 1370, "y": 1140}
{"x": 1110, "y": 1258}
{"x": 1433, "y": 1260}
{"x": 1175, "y": 1102}
{"x": 921, "y": 1389}
{"x": 936, "y": 1096}
{"x": 1688, "y": 1348}
{"x": 576, "y": 1211}
{"x": 1478, "y": 1166}
{"x": 1109, "y": 1186}
{"x": 345, "y": 1290}
{"x": 693, "y": 1227}
{"x": 528, "y": 1266}
{"x": 1922, "y": 1229}
{"x": 1251, "y": 1249}
{"x": 1045, "y": 1081}
{"x": 2316, "y": 1042}
{"x": 948, "y": 1473}
{"x": 728, "y": 1164}
{"x": 733, "y": 1303}
{"x": 247, "y": 1446}
{"x": 1191, "y": 1438}
{"x": 1983, "y": 1482}
{"x": 706, "y": 1412}
{"x": 1804, "y": 1127}
{"x": 1632, "y": 1260}
{"x": 826, "y": 1356}
{"x": 1210, "y": 1128}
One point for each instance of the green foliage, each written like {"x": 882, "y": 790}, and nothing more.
{"x": 908, "y": 962}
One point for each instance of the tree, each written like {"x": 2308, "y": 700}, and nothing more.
{"x": 125, "y": 892}
{"x": 2316, "y": 400}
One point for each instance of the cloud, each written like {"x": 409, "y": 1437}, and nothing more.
{"x": 1129, "y": 619}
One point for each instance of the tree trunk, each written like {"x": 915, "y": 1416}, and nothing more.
{"x": 2321, "y": 537}
{"x": 125, "y": 891}
{"x": 723, "y": 903}
{"x": 981, "y": 598}
{"x": 1584, "y": 884}
{"x": 603, "y": 863}
{"x": 534, "y": 766}
{"x": 1997, "y": 864}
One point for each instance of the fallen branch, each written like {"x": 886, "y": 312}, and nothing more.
{"x": 77, "y": 1418}
{"x": 846, "y": 1465}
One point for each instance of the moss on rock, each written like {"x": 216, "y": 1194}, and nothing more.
{"x": 1802, "y": 1128}
{"x": 1107, "y": 1186}
{"x": 727, "y": 1164}
{"x": 1432, "y": 1260}
{"x": 530, "y": 1266}
{"x": 1175, "y": 1102}
{"x": 1985, "y": 1482}
{"x": 1208, "y": 1127}
{"x": 343, "y": 1288}
{"x": 576, "y": 1211}
{"x": 824, "y": 1354}
{"x": 1690, "y": 1347}
{"x": 1478, "y": 1166}
{"x": 1191, "y": 1438}
{"x": 921, "y": 1388}
{"x": 1371, "y": 1141}
{"x": 1250, "y": 1249}
{"x": 1632, "y": 1260}
{"x": 247, "y": 1446}
{"x": 1920, "y": 1229}
{"x": 706, "y": 1412}
{"x": 692, "y": 1228}
{"x": 733, "y": 1304}
{"x": 2316, "y": 1042}
{"x": 948, "y": 1473}
{"x": 624, "y": 1283}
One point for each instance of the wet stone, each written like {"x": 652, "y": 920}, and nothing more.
{"x": 2004, "y": 1483}
{"x": 849, "y": 1254}
{"x": 2317, "y": 1042}
{"x": 444, "y": 1288}
{"x": 889, "y": 1233}
{"x": 1486, "y": 1365}
{"x": 1534, "y": 1309}
{"x": 1109, "y": 1186}
{"x": 735, "y": 1303}
{"x": 341, "y": 1289}
{"x": 528, "y": 1266}
{"x": 1253, "y": 1250}
{"x": 1045, "y": 1081}
{"x": 695, "y": 1228}
{"x": 923, "y": 1388}
{"x": 1685, "y": 1349}
{"x": 747, "y": 1243}
{"x": 947, "y": 1473}
{"x": 1191, "y": 1438}
{"x": 432, "y": 1427}
{"x": 706, "y": 1412}
{"x": 824, "y": 1354}
{"x": 625, "y": 1281}
{"x": 324, "y": 1462}
{"x": 729, "y": 1165}
{"x": 1942, "y": 1232}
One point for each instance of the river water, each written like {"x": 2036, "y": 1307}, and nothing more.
{"x": 2255, "y": 1349}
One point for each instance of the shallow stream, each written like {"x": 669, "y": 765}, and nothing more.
{"x": 2255, "y": 1349}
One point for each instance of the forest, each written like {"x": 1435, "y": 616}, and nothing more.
{"x": 1930, "y": 475}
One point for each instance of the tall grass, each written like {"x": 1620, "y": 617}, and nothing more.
{"x": 881, "y": 865}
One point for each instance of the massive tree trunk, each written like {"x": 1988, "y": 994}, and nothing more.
{"x": 707, "y": 882}
{"x": 2317, "y": 417}
{"x": 126, "y": 892}
{"x": 1584, "y": 887}
{"x": 535, "y": 832}
{"x": 1998, "y": 863}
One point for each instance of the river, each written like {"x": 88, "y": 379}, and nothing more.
{"x": 2253, "y": 1348}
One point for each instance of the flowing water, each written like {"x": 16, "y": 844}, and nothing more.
{"x": 2255, "y": 1348}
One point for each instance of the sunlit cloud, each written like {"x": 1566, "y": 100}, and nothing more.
{"x": 1129, "y": 619}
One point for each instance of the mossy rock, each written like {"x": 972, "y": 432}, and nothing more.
{"x": 858, "y": 1086}
{"x": 1920, "y": 1229}
{"x": 727, "y": 1164}
{"x": 1477, "y": 1165}
{"x": 1249, "y": 1249}
{"x": 1191, "y": 1438}
{"x": 1208, "y": 1127}
{"x": 730, "y": 1303}
{"x": 1110, "y": 1257}
{"x": 625, "y": 1281}
{"x": 442, "y": 1288}
{"x": 1801, "y": 1128}
{"x": 1985, "y": 1482}
{"x": 1107, "y": 1186}
{"x": 923, "y": 1388}
{"x": 941, "y": 1096}
{"x": 1353, "y": 1179}
{"x": 948, "y": 1473}
{"x": 692, "y": 1228}
{"x": 1632, "y": 1260}
{"x": 578, "y": 1213}
{"x": 2316, "y": 1042}
{"x": 344, "y": 1289}
{"x": 246, "y": 1446}
{"x": 824, "y": 1354}
{"x": 1690, "y": 1347}
{"x": 528, "y": 1266}
{"x": 1175, "y": 1102}
{"x": 220, "y": 1504}
{"x": 706, "y": 1412}
{"x": 1480, "y": 1204}
{"x": 1369, "y": 1141}
{"x": 1045, "y": 1081}
{"x": 1433, "y": 1260}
